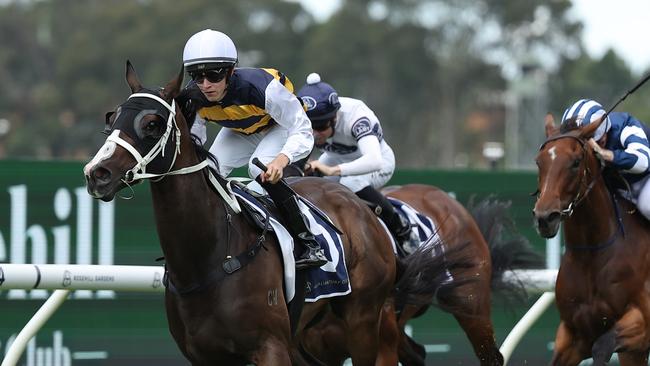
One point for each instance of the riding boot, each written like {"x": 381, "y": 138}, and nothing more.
{"x": 311, "y": 254}
{"x": 398, "y": 225}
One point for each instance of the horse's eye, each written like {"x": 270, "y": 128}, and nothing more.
{"x": 151, "y": 126}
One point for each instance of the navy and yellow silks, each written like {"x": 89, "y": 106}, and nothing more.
{"x": 242, "y": 109}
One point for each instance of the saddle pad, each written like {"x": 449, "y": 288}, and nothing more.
{"x": 424, "y": 226}
{"x": 426, "y": 229}
{"x": 329, "y": 280}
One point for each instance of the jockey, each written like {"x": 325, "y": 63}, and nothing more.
{"x": 260, "y": 117}
{"x": 621, "y": 142}
{"x": 353, "y": 148}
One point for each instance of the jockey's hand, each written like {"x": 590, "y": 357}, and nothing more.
{"x": 274, "y": 169}
{"x": 606, "y": 155}
{"x": 325, "y": 169}
{"x": 308, "y": 168}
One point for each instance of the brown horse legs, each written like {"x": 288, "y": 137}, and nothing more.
{"x": 362, "y": 328}
{"x": 633, "y": 358}
{"x": 479, "y": 330}
{"x": 272, "y": 352}
{"x": 389, "y": 336}
{"x": 470, "y": 306}
{"x": 566, "y": 352}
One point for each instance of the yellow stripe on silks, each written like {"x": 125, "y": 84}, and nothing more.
{"x": 276, "y": 74}
{"x": 233, "y": 113}
{"x": 287, "y": 83}
{"x": 255, "y": 127}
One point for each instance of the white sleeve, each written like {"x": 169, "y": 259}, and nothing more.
{"x": 199, "y": 129}
{"x": 369, "y": 161}
{"x": 287, "y": 111}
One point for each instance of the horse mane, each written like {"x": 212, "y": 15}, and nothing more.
{"x": 190, "y": 100}
{"x": 570, "y": 124}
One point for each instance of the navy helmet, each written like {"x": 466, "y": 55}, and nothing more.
{"x": 586, "y": 111}
{"x": 320, "y": 100}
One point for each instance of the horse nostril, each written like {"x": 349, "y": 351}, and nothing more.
{"x": 546, "y": 216}
{"x": 100, "y": 174}
{"x": 553, "y": 216}
{"x": 546, "y": 220}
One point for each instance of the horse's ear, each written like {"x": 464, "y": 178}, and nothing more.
{"x": 589, "y": 130}
{"x": 132, "y": 78}
{"x": 549, "y": 125}
{"x": 173, "y": 87}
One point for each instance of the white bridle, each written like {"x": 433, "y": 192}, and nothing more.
{"x": 139, "y": 170}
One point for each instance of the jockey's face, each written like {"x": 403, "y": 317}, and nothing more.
{"x": 322, "y": 134}
{"x": 213, "y": 92}
{"x": 212, "y": 81}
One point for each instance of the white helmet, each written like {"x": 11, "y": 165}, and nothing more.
{"x": 209, "y": 47}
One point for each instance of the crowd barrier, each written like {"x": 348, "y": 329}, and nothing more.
{"x": 63, "y": 279}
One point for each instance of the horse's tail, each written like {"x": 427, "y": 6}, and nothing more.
{"x": 423, "y": 277}
{"x": 508, "y": 248}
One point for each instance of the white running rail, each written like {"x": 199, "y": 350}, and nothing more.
{"x": 65, "y": 278}
{"x": 538, "y": 280}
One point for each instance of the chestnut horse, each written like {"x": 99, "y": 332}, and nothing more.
{"x": 223, "y": 312}
{"x": 602, "y": 290}
{"x": 480, "y": 236}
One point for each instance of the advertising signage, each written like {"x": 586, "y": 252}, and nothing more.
{"x": 46, "y": 216}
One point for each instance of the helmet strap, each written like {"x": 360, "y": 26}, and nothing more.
{"x": 230, "y": 72}
{"x": 332, "y": 123}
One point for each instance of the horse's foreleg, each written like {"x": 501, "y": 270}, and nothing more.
{"x": 480, "y": 333}
{"x": 568, "y": 351}
{"x": 362, "y": 327}
{"x": 272, "y": 352}
{"x": 326, "y": 340}
{"x": 470, "y": 305}
{"x": 411, "y": 353}
{"x": 389, "y": 334}
{"x": 631, "y": 331}
{"x": 633, "y": 358}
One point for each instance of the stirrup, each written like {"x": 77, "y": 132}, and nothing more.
{"x": 313, "y": 256}
{"x": 403, "y": 233}
{"x": 407, "y": 237}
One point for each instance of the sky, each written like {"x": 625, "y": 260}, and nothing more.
{"x": 622, "y": 25}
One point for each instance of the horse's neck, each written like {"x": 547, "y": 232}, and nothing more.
{"x": 189, "y": 218}
{"x": 594, "y": 220}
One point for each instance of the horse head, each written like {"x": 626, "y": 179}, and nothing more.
{"x": 567, "y": 169}
{"x": 143, "y": 139}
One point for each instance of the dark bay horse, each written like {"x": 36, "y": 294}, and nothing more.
{"x": 219, "y": 314}
{"x": 602, "y": 289}
{"x": 477, "y": 234}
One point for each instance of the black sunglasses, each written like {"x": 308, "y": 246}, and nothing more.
{"x": 213, "y": 76}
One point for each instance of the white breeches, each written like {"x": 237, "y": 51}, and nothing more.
{"x": 641, "y": 193}
{"x": 233, "y": 149}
